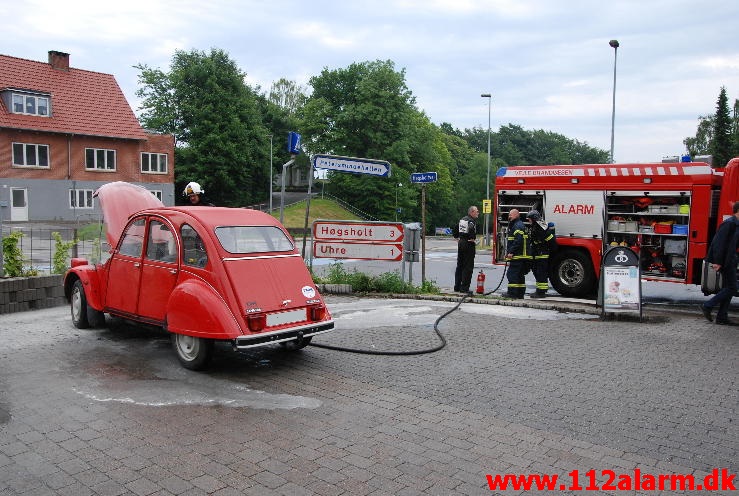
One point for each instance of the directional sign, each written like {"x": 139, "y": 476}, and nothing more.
{"x": 293, "y": 143}
{"x": 352, "y": 164}
{"x": 375, "y": 232}
{"x": 365, "y": 251}
{"x": 423, "y": 177}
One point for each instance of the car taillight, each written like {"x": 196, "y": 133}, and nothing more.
{"x": 257, "y": 322}
{"x": 317, "y": 313}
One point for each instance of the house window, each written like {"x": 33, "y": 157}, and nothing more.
{"x": 99, "y": 159}
{"x": 154, "y": 163}
{"x": 30, "y": 155}
{"x": 157, "y": 193}
{"x": 30, "y": 104}
{"x": 80, "y": 198}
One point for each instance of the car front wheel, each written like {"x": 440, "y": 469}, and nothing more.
{"x": 193, "y": 353}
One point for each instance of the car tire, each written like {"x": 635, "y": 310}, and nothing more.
{"x": 78, "y": 306}
{"x": 294, "y": 345}
{"x": 193, "y": 353}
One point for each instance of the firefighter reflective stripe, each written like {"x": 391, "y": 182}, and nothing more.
{"x": 542, "y": 286}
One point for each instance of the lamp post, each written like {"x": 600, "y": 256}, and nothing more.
{"x": 400, "y": 185}
{"x": 270, "y": 173}
{"x": 614, "y": 45}
{"x": 486, "y": 231}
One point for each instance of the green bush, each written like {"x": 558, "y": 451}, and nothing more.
{"x": 13, "y": 257}
{"x": 387, "y": 282}
{"x": 61, "y": 252}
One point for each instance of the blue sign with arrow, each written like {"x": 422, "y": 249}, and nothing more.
{"x": 352, "y": 164}
{"x": 423, "y": 177}
{"x": 293, "y": 143}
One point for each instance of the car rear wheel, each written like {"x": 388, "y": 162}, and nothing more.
{"x": 193, "y": 353}
{"x": 572, "y": 274}
{"x": 83, "y": 315}
{"x": 296, "y": 344}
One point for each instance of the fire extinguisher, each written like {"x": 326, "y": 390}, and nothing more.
{"x": 481, "y": 282}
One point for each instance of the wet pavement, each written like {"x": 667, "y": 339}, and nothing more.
{"x": 518, "y": 389}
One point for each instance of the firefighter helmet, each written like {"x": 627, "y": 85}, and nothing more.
{"x": 533, "y": 215}
{"x": 193, "y": 188}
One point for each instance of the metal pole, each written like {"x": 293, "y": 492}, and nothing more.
{"x": 423, "y": 234}
{"x": 486, "y": 228}
{"x": 615, "y": 45}
{"x": 270, "y": 173}
{"x": 282, "y": 192}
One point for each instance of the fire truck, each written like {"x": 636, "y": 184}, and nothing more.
{"x": 666, "y": 212}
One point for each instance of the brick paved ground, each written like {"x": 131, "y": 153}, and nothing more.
{"x": 111, "y": 412}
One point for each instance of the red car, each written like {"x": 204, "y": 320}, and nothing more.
{"x": 201, "y": 273}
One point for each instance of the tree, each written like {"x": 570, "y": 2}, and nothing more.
{"x": 287, "y": 95}
{"x": 701, "y": 143}
{"x": 722, "y": 146}
{"x": 222, "y": 142}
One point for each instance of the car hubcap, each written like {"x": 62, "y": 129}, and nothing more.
{"x": 188, "y": 346}
{"x": 76, "y": 305}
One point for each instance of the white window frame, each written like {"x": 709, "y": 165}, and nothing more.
{"x": 101, "y": 153}
{"x": 82, "y": 197}
{"x": 24, "y": 99}
{"x": 28, "y": 150}
{"x": 157, "y": 193}
{"x": 150, "y": 157}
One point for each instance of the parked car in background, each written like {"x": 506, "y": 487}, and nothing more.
{"x": 203, "y": 274}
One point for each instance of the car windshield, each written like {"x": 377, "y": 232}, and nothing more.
{"x": 253, "y": 239}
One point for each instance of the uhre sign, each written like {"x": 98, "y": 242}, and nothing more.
{"x": 366, "y": 251}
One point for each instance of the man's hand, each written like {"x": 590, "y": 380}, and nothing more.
{"x": 508, "y": 256}
{"x": 716, "y": 267}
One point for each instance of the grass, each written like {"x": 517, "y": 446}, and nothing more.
{"x": 387, "y": 282}
{"x": 294, "y": 215}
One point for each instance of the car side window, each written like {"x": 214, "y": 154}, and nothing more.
{"x": 132, "y": 241}
{"x": 161, "y": 243}
{"x": 193, "y": 248}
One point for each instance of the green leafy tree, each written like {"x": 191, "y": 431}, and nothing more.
{"x": 722, "y": 146}
{"x": 61, "y": 253}
{"x": 287, "y": 95}
{"x": 215, "y": 118}
{"x": 700, "y": 144}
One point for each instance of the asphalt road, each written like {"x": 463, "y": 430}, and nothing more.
{"x": 517, "y": 390}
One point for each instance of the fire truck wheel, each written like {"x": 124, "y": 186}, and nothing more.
{"x": 294, "y": 346}
{"x": 572, "y": 274}
{"x": 193, "y": 353}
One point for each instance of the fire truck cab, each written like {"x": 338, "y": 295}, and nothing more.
{"x": 665, "y": 212}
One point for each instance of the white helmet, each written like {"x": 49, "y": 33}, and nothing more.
{"x": 193, "y": 188}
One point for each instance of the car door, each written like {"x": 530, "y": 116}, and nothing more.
{"x": 159, "y": 271}
{"x": 124, "y": 275}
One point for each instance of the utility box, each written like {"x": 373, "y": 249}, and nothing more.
{"x": 411, "y": 242}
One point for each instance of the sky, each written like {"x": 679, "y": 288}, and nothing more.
{"x": 547, "y": 64}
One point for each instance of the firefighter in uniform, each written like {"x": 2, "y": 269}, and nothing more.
{"x": 518, "y": 255}
{"x": 467, "y": 234}
{"x": 543, "y": 243}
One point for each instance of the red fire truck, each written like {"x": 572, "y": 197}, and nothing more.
{"x": 666, "y": 212}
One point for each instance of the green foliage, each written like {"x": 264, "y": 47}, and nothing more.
{"x": 721, "y": 146}
{"x": 215, "y": 117}
{"x": 61, "y": 252}
{"x": 387, "y": 282}
{"x": 13, "y": 261}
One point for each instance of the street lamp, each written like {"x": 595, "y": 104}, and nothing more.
{"x": 270, "y": 173}
{"x": 487, "y": 183}
{"x": 614, "y": 45}
{"x": 400, "y": 185}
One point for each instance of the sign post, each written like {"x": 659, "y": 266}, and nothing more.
{"x": 423, "y": 178}
{"x": 293, "y": 147}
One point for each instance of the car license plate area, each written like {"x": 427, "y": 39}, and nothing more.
{"x": 275, "y": 319}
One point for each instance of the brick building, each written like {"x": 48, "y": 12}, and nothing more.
{"x": 63, "y": 133}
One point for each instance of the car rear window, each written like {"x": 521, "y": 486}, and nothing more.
{"x": 253, "y": 239}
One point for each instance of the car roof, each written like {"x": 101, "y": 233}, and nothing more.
{"x": 212, "y": 217}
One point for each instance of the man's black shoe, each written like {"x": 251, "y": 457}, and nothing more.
{"x": 707, "y": 313}
{"x": 725, "y": 322}
{"x": 538, "y": 295}
{"x": 456, "y": 289}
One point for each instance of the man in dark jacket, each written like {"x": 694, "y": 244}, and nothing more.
{"x": 543, "y": 242}
{"x": 467, "y": 234}
{"x": 518, "y": 254}
{"x": 722, "y": 257}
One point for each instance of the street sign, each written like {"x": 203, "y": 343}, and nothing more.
{"x": 487, "y": 206}
{"x": 423, "y": 177}
{"x": 363, "y": 251}
{"x": 370, "y": 232}
{"x": 352, "y": 164}
{"x": 293, "y": 143}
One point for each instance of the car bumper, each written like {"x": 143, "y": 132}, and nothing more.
{"x": 294, "y": 333}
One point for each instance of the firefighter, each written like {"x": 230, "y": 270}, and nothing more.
{"x": 543, "y": 243}
{"x": 467, "y": 237}
{"x": 518, "y": 254}
{"x": 194, "y": 192}
{"x": 722, "y": 255}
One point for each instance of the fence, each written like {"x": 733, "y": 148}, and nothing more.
{"x": 38, "y": 245}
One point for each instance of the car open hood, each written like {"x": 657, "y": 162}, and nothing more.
{"x": 119, "y": 200}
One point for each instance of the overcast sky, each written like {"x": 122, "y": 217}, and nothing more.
{"x": 547, "y": 63}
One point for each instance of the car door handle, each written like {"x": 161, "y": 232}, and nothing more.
{"x": 136, "y": 264}
{"x": 173, "y": 271}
